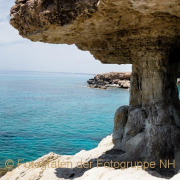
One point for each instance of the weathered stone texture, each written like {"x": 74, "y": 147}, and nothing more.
{"x": 114, "y": 31}
{"x": 145, "y": 33}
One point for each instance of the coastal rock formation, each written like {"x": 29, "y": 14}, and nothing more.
{"x": 143, "y": 33}
{"x": 112, "y": 79}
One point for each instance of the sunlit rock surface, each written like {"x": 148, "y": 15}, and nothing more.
{"x": 65, "y": 172}
{"x": 112, "y": 79}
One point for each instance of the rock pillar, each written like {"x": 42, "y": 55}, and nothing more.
{"x": 149, "y": 129}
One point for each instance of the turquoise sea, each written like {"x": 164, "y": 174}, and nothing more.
{"x": 53, "y": 112}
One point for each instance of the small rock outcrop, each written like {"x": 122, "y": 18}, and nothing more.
{"x": 112, "y": 79}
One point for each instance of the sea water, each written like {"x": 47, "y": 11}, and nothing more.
{"x": 53, "y": 112}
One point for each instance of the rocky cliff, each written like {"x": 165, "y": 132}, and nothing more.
{"x": 143, "y": 33}
{"x": 112, "y": 79}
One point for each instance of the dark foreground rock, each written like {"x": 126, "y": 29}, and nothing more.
{"x": 112, "y": 79}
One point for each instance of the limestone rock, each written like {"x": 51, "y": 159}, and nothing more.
{"x": 143, "y": 33}
{"x": 112, "y": 79}
{"x": 124, "y": 83}
{"x": 98, "y": 26}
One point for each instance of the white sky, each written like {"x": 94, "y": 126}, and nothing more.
{"x": 17, "y": 53}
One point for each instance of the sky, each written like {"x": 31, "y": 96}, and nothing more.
{"x": 17, "y": 53}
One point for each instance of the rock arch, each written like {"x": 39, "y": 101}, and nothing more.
{"x": 143, "y": 33}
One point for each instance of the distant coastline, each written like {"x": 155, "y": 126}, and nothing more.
{"x": 112, "y": 79}
{"x": 41, "y": 72}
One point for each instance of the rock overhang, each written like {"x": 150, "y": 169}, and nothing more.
{"x": 114, "y": 31}
{"x": 145, "y": 33}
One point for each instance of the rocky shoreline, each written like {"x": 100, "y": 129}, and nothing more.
{"x": 90, "y": 167}
{"x": 112, "y": 79}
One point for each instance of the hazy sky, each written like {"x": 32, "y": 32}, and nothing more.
{"x": 17, "y": 53}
